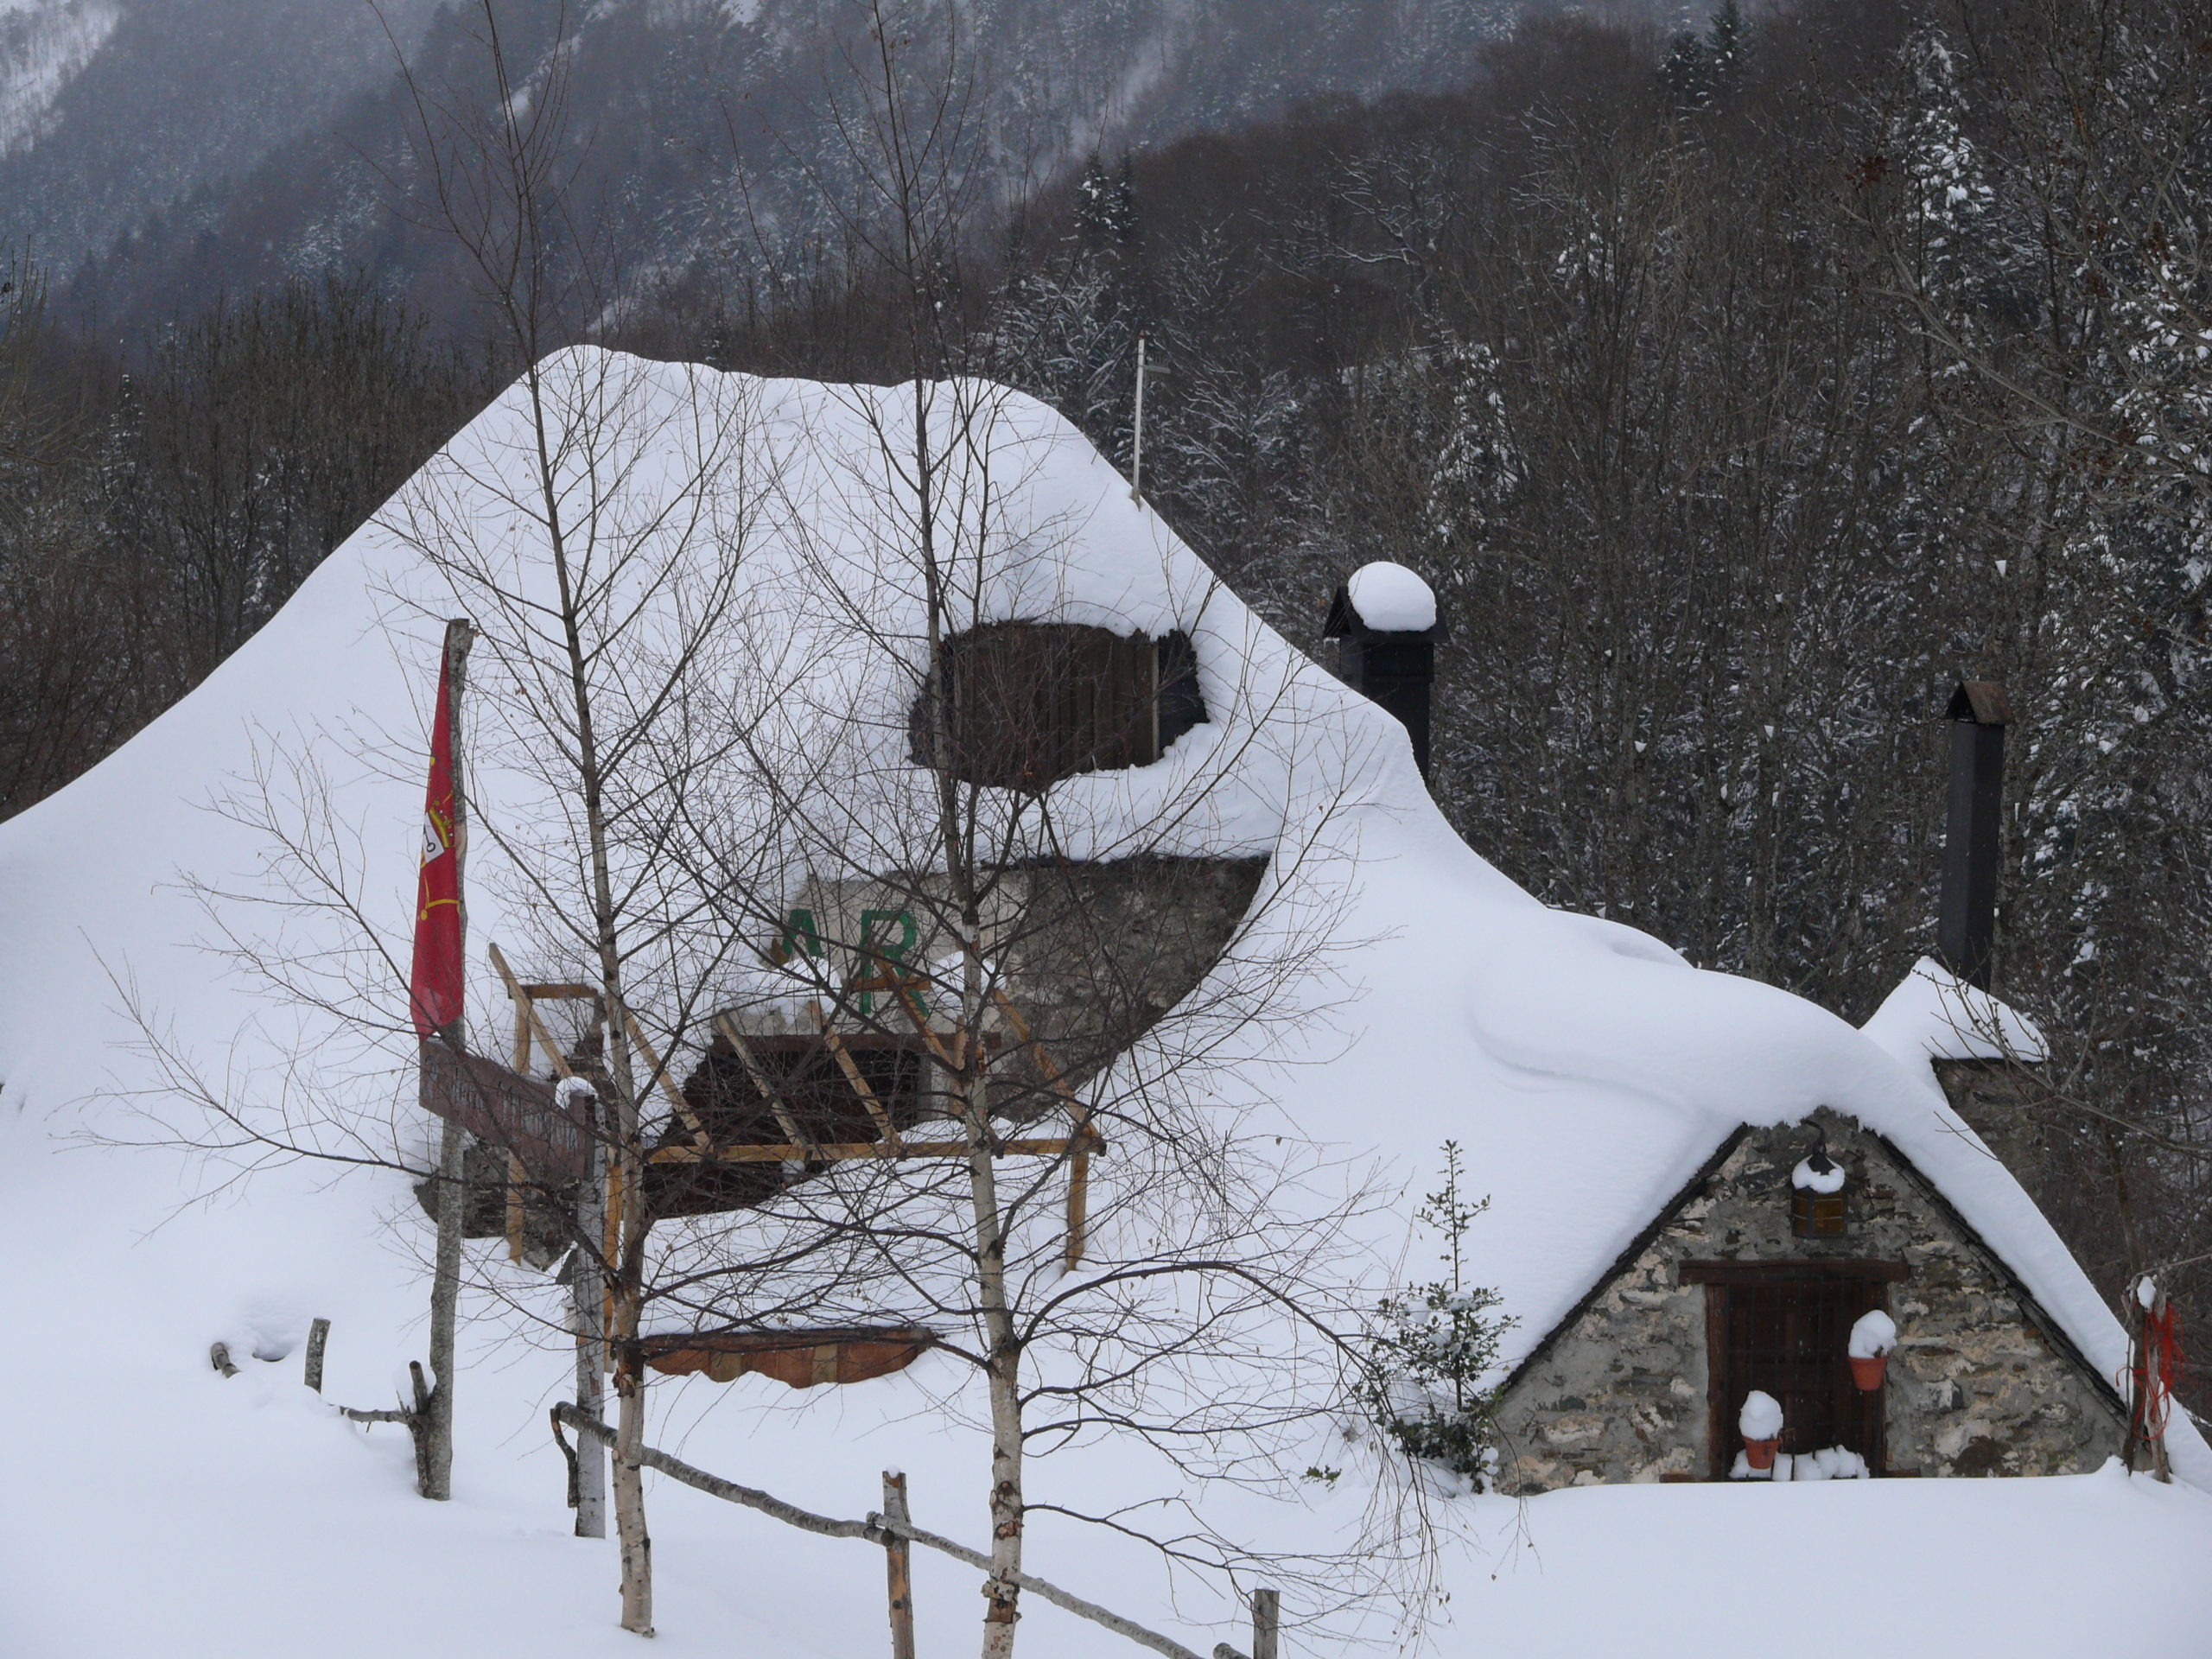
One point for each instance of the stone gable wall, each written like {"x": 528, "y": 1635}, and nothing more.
{"x": 1977, "y": 1386}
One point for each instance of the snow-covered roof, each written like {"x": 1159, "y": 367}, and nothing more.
{"x": 1587, "y": 1071}
{"x": 1933, "y": 1014}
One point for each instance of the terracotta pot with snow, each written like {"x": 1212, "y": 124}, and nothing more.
{"x": 1760, "y": 1421}
{"x": 1872, "y": 1340}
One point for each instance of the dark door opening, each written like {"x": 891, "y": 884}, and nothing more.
{"x": 1784, "y": 1328}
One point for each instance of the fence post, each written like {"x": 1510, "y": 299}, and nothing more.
{"x": 898, "y": 1564}
{"x": 318, "y": 1340}
{"x": 1267, "y": 1622}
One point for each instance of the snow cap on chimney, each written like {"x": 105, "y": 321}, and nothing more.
{"x": 1386, "y": 598}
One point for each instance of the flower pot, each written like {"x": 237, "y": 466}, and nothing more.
{"x": 1760, "y": 1453}
{"x": 1867, "y": 1373}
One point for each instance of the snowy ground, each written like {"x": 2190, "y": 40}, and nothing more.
{"x": 239, "y": 1519}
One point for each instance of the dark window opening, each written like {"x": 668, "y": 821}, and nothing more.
{"x": 1028, "y": 703}
{"x": 1784, "y": 1328}
{"x": 812, "y": 1089}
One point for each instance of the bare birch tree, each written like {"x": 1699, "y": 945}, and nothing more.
{"x": 927, "y": 775}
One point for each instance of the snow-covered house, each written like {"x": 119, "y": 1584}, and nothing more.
{"x": 1753, "y": 1276}
{"x": 1640, "y": 1127}
{"x": 1756, "y": 1272}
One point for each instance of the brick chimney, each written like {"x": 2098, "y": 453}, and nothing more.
{"x": 1965, "y": 923}
{"x": 1385, "y": 625}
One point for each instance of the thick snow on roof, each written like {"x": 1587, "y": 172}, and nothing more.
{"x": 1585, "y": 1069}
{"x": 1934, "y": 1015}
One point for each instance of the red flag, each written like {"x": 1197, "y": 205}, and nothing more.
{"x": 434, "y": 986}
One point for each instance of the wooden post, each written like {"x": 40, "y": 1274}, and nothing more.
{"x": 2157, "y": 1403}
{"x": 2131, "y": 1319}
{"x": 898, "y": 1565}
{"x": 434, "y": 1434}
{"x": 421, "y": 1418}
{"x": 1079, "y": 1158}
{"x": 2146, "y": 1379}
{"x": 1267, "y": 1624}
{"x": 517, "y": 1212}
{"x": 1078, "y": 1202}
{"x": 318, "y": 1340}
{"x": 515, "y": 1217}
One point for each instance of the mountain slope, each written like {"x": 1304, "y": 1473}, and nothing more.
{"x": 228, "y": 142}
{"x": 109, "y": 109}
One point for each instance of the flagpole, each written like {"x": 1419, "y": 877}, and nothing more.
{"x": 433, "y": 1442}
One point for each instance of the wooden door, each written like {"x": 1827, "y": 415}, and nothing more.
{"x": 1787, "y": 1333}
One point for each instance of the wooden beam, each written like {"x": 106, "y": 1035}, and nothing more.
{"x": 840, "y": 1151}
{"x": 917, "y": 1016}
{"x": 521, "y": 995}
{"x": 1078, "y": 1208}
{"x": 667, "y": 1084}
{"x": 517, "y": 1212}
{"x": 562, "y": 993}
{"x": 769, "y": 1092}
{"x": 519, "y": 1054}
{"x": 852, "y": 1071}
{"x": 1738, "y": 1273}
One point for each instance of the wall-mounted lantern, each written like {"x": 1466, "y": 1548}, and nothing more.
{"x": 1819, "y": 1206}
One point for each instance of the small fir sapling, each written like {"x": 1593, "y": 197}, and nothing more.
{"x": 1434, "y": 1346}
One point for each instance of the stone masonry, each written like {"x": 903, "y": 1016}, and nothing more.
{"x": 1982, "y": 1383}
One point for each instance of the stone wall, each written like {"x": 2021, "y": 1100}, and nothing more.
{"x": 1982, "y": 1383}
{"x": 1093, "y": 953}
{"x": 2002, "y": 1102}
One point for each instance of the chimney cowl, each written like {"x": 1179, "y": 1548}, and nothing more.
{"x": 1981, "y": 701}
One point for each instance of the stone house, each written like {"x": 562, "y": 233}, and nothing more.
{"x": 1724, "y": 1291}
{"x": 1741, "y": 1281}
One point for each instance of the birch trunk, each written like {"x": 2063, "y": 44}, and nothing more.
{"x": 627, "y": 1265}
{"x": 588, "y": 1285}
{"x": 1003, "y": 1375}
{"x": 636, "y": 1544}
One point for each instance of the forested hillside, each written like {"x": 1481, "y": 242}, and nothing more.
{"x": 1739, "y": 391}
{"x": 164, "y": 148}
